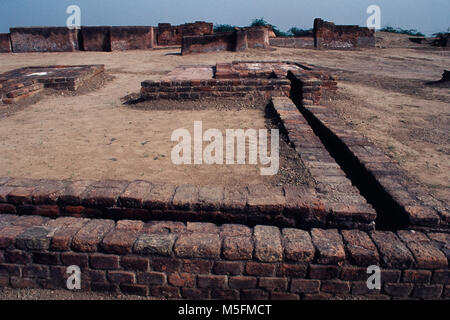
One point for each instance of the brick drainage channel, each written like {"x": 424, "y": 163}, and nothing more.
{"x": 383, "y": 186}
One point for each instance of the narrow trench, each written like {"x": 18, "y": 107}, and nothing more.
{"x": 390, "y": 215}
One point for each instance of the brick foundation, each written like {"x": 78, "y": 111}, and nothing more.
{"x": 172, "y": 35}
{"x": 292, "y": 42}
{"x": 19, "y": 84}
{"x": 206, "y": 261}
{"x": 44, "y": 39}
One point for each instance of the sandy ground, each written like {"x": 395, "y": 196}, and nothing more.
{"x": 382, "y": 94}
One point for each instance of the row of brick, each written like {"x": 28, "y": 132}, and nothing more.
{"x": 253, "y": 204}
{"x": 202, "y": 260}
{"x": 422, "y": 210}
{"x": 348, "y": 206}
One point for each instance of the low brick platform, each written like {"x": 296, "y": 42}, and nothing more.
{"x": 142, "y": 200}
{"x": 19, "y": 84}
{"x": 202, "y": 261}
{"x": 240, "y": 79}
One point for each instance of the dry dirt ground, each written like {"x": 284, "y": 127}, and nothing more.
{"x": 383, "y": 93}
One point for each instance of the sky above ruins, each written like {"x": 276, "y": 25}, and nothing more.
{"x": 427, "y": 16}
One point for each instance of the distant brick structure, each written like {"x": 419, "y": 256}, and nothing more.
{"x": 172, "y": 35}
{"x": 329, "y": 35}
{"x": 96, "y": 38}
{"x": 131, "y": 38}
{"x": 258, "y": 37}
{"x": 237, "y": 40}
{"x": 44, "y": 39}
{"x": 5, "y": 43}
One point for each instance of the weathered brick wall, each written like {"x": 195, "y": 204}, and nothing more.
{"x": 44, "y": 39}
{"x": 257, "y": 37}
{"x": 196, "y": 89}
{"x": 96, "y": 38}
{"x": 292, "y": 42}
{"x": 172, "y": 35}
{"x": 203, "y": 261}
{"x": 329, "y": 35}
{"x": 309, "y": 85}
{"x": 5, "y": 43}
{"x": 131, "y": 38}
{"x": 225, "y": 41}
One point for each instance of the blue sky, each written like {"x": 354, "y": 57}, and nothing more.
{"x": 427, "y": 16}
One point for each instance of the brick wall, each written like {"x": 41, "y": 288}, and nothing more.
{"x": 225, "y": 41}
{"x": 5, "y": 43}
{"x": 292, "y": 42}
{"x": 44, "y": 39}
{"x": 96, "y": 38}
{"x": 131, "y": 38}
{"x": 329, "y": 35}
{"x": 257, "y": 37}
{"x": 172, "y": 35}
{"x": 196, "y": 89}
{"x": 203, "y": 261}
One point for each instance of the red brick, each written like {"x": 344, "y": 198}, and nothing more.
{"x": 163, "y": 264}
{"x": 211, "y": 281}
{"x": 164, "y": 227}
{"x": 159, "y": 197}
{"x": 134, "y": 194}
{"x": 186, "y": 197}
{"x": 67, "y": 228}
{"x": 119, "y": 241}
{"x": 297, "y": 270}
{"x": 393, "y": 252}
{"x": 49, "y": 258}
{"x": 273, "y": 284}
{"x": 361, "y": 249}
{"x": 335, "y": 286}
{"x": 182, "y": 279}
{"x": 71, "y": 258}
{"x": 351, "y": 273}
{"x": 72, "y": 194}
{"x": 227, "y": 268}
{"x": 329, "y": 246}
{"x": 268, "y": 246}
{"x": 262, "y": 198}
{"x": 441, "y": 276}
{"x": 198, "y": 245}
{"x": 103, "y": 193}
{"x": 9, "y": 269}
{"x": 88, "y": 238}
{"x": 121, "y": 277}
{"x": 298, "y": 245}
{"x": 237, "y": 248}
{"x": 416, "y": 276}
{"x": 23, "y": 283}
{"x": 131, "y": 262}
{"x": 235, "y": 230}
{"x": 48, "y": 191}
{"x": 152, "y": 278}
{"x": 323, "y": 272}
{"x": 9, "y": 234}
{"x": 104, "y": 262}
{"x": 17, "y": 256}
{"x": 21, "y": 195}
{"x": 260, "y": 269}
{"x": 241, "y": 282}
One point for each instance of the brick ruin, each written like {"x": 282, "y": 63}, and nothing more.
{"x": 20, "y": 84}
{"x": 240, "y": 80}
{"x": 197, "y": 37}
{"x": 173, "y": 35}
